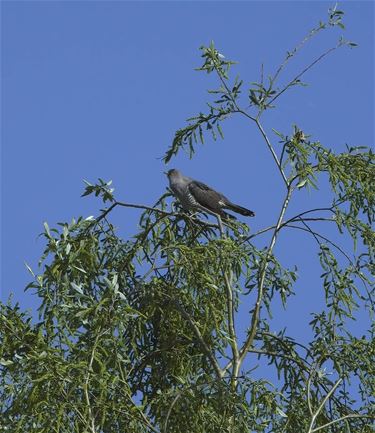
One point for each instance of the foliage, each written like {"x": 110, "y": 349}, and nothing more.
{"x": 142, "y": 334}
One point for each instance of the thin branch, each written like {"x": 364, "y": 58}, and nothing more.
{"x": 86, "y": 385}
{"x": 301, "y": 362}
{"x": 180, "y": 393}
{"x": 352, "y": 415}
{"x": 220, "y": 225}
{"x": 131, "y": 205}
{"x": 296, "y": 217}
{"x": 278, "y": 163}
{"x": 170, "y": 410}
{"x": 295, "y": 50}
{"x": 308, "y": 392}
{"x": 259, "y": 232}
{"x": 318, "y": 235}
{"x": 232, "y": 331}
{"x": 298, "y": 76}
{"x": 328, "y": 209}
{"x": 198, "y": 334}
{"x": 332, "y": 220}
{"x": 282, "y": 153}
{"x": 284, "y": 342}
{"x": 145, "y": 419}
{"x": 322, "y": 404}
{"x": 255, "y": 317}
{"x": 268, "y": 142}
{"x": 230, "y": 95}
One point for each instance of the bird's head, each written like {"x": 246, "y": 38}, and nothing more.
{"x": 172, "y": 172}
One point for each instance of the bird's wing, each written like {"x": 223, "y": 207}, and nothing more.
{"x": 206, "y": 196}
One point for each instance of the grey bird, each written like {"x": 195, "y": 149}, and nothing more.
{"x": 195, "y": 195}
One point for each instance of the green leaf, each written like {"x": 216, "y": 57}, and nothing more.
{"x": 302, "y": 183}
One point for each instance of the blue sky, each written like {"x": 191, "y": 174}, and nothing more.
{"x": 97, "y": 89}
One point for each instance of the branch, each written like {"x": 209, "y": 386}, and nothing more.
{"x": 232, "y": 331}
{"x": 131, "y": 205}
{"x": 301, "y": 362}
{"x": 146, "y": 420}
{"x": 308, "y": 395}
{"x": 178, "y": 395}
{"x": 295, "y": 50}
{"x": 207, "y": 351}
{"x": 282, "y": 355}
{"x": 269, "y": 145}
{"x": 318, "y": 235}
{"x": 352, "y": 415}
{"x": 298, "y": 76}
{"x": 296, "y": 217}
{"x": 285, "y": 342}
{"x": 86, "y": 385}
{"x": 328, "y": 209}
{"x": 255, "y": 317}
{"x": 170, "y": 410}
{"x": 322, "y": 404}
{"x": 259, "y": 232}
{"x": 256, "y": 120}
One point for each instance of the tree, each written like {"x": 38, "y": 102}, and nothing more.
{"x": 142, "y": 334}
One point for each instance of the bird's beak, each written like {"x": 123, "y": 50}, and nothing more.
{"x": 165, "y": 172}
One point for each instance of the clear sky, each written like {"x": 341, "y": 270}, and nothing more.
{"x": 97, "y": 89}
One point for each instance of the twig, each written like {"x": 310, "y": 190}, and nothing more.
{"x": 255, "y": 317}
{"x": 298, "y": 76}
{"x": 268, "y": 142}
{"x": 230, "y": 314}
{"x": 318, "y": 235}
{"x": 259, "y": 232}
{"x": 131, "y": 205}
{"x": 317, "y": 209}
{"x": 170, "y": 410}
{"x": 298, "y": 360}
{"x": 145, "y": 419}
{"x": 308, "y": 395}
{"x": 322, "y": 404}
{"x": 295, "y": 50}
{"x": 232, "y": 331}
{"x": 296, "y": 217}
{"x": 282, "y": 341}
{"x": 352, "y": 415}
{"x": 269, "y": 145}
{"x": 206, "y": 349}
{"x": 86, "y": 385}
{"x": 180, "y": 393}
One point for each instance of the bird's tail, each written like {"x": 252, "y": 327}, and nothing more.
{"x": 239, "y": 209}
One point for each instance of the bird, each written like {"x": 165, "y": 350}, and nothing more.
{"x": 194, "y": 195}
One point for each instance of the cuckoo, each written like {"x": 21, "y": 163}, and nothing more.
{"x": 195, "y": 195}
